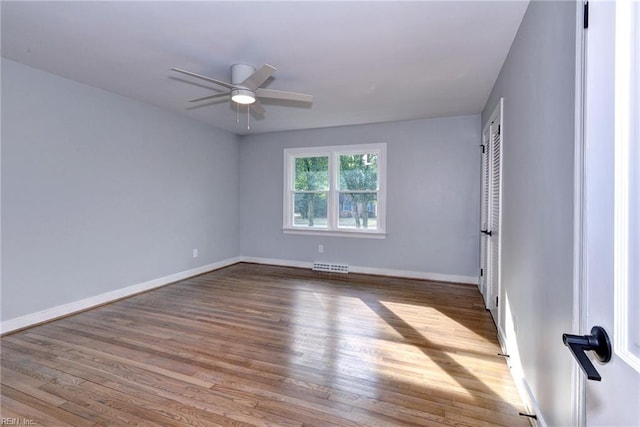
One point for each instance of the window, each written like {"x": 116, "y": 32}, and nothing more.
{"x": 335, "y": 190}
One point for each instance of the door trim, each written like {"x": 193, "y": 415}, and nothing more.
{"x": 579, "y": 252}
{"x": 484, "y": 212}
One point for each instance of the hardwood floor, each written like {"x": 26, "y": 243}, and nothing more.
{"x": 260, "y": 345}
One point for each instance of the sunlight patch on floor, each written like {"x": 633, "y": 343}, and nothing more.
{"x": 421, "y": 319}
{"x": 395, "y": 342}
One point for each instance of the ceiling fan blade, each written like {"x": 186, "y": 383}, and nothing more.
{"x": 209, "y": 79}
{"x": 280, "y": 94}
{"x": 254, "y": 81}
{"x": 257, "y": 108}
{"x": 205, "y": 104}
{"x": 204, "y": 98}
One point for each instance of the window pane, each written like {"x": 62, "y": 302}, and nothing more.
{"x": 310, "y": 210}
{"x": 358, "y": 210}
{"x": 359, "y": 171}
{"x": 348, "y": 179}
{"x": 312, "y": 173}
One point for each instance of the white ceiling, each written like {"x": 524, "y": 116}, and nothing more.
{"x": 363, "y": 62}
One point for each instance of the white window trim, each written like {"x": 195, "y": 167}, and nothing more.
{"x": 333, "y": 152}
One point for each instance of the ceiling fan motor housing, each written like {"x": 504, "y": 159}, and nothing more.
{"x": 240, "y": 73}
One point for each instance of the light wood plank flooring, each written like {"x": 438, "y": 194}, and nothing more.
{"x": 261, "y": 345}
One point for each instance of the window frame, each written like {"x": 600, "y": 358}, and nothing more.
{"x": 333, "y": 153}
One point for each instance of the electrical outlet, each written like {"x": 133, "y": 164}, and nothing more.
{"x": 321, "y": 249}
{"x": 195, "y": 253}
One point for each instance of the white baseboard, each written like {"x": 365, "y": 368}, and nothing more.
{"x": 436, "y": 277}
{"x": 517, "y": 373}
{"x": 278, "y": 262}
{"x": 84, "y": 304}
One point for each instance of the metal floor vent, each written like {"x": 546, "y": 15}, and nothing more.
{"x": 331, "y": 268}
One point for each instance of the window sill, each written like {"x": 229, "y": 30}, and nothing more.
{"x": 336, "y": 233}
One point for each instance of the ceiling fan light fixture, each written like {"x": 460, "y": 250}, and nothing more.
{"x": 243, "y": 96}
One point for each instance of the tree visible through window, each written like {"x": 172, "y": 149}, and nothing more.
{"x": 358, "y": 189}
{"x": 335, "y": 189}
{"x": 312, "y": 186}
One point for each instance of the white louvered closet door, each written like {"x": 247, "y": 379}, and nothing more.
{"x": 490, "y": 212}
{"x": 494, "y": 239}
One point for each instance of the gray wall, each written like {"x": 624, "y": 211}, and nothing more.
{"x": 433, "y": 174}
{"x": 100, "y": 192}
{"x": 537, "y": 83}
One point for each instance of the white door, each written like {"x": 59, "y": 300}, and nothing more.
{"x": 608, "y": 294}
{"x": 491, "y": 211}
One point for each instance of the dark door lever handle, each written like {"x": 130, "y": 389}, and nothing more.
{"x": 598, "y": 342}
{"x": 488, "y": 233}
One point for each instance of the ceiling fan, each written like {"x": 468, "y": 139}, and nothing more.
{"x": 245, "y": 89}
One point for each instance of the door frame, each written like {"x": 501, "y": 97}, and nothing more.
{"x": 484, "y": 172}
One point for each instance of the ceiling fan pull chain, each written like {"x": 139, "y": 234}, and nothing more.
{"x": 248, "y": 108}
{"x": 237, "y": 113}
